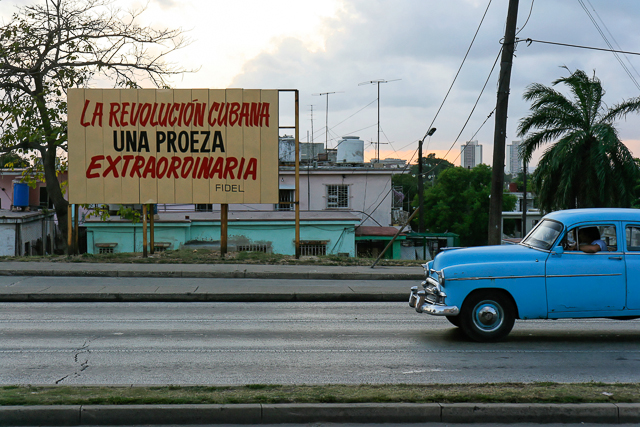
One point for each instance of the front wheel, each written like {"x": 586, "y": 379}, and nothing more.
{"x": 487, "y": 316}
{"x": 454, "y": 320}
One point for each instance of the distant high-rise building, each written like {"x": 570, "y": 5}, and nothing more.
{"x": 514, "y": 162}
{"x": 470, "y": 154}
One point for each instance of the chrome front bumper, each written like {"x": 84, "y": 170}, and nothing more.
{"x": 418, "y": 300}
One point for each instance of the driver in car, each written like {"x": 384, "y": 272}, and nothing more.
{"x": 588, "y": 234}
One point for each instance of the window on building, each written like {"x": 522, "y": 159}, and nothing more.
{"x": 286, "y": 198}
{"x": 208, "y": 207}
{"x": 337, "y": 196}
{"x": 313, "y": 247}
{"x": 254, "y": 247}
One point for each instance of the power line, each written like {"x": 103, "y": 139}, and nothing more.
{"x": 458, "y": 73}
{"x": 612, "y": 37}
{"x": 469, "y": 117}
{"x": 358, "y": 130}
{"x": 443, "y": 101}
{"x": 474, "y": 135}
{"x": 529, "y": 41}
{"x": 604, "y": 37}
{"x": 388, "y": 141}
{"x": 527, "y": 20}
{"x": 474, "y": 105}
{"x": 338, "y": 124}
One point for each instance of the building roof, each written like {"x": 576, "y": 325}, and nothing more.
{"x": 247, "y": 216}
{"x": 11, "y": 217}
{"x": 338, "y": 169}
{"x": 447, "y": 234}
{"x": 376, "y": 231}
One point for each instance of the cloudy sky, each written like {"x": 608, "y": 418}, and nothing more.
{"x": 320, "y": 46}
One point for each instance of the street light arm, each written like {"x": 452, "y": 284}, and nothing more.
{"x": 420, "y": 177}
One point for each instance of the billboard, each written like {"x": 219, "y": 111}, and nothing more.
{"x": 173, "y": 146}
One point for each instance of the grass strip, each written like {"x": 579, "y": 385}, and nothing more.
{"x": 261, "y": 393}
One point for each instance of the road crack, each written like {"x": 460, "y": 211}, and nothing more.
{"x": 82, "y": 362}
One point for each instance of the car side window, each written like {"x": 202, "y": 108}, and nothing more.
{"x": 605, "y": 233}
{"x": 608, "y": 234}
{"x": 633, "y": 238}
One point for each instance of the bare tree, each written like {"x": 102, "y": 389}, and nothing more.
{"x": 47, "y": 48}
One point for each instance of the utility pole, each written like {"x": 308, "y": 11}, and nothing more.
{"x": 378, "y": 83}
{"x": 524, "y": 199}
{"x": 313, "y": 149}
{"x": 420, "y": 179}
{"x": 311, "y": 124}
{"x": 500, "y": 132}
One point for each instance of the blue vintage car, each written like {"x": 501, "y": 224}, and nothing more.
{"x": 548, "y": 275}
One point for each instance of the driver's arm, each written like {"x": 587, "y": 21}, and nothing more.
{"x": 590, "y": 249}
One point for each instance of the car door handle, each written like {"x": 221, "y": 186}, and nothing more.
{"x": 616, "y": 257}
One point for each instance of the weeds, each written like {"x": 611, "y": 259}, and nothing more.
{"x": 206, "y": 256}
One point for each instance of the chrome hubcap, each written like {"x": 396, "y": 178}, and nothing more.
{"x": 488, "y": 316}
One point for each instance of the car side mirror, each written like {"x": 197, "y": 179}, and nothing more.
{"x": 559, "y": 250}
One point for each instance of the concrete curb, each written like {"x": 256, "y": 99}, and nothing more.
{"x": 609, "y": 413}
{"x": 204, "y": 297}
{"x": 239, "y": 274}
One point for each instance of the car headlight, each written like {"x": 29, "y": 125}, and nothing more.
{"x": 441, "y": 277}
{"x": 427, "y": 268}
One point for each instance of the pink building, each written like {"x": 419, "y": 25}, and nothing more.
{"x": 38, "y": 196}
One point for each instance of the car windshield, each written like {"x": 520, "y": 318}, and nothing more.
{"x": 543, "y": 236}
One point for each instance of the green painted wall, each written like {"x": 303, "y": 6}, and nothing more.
{"x": 280, "y": 235}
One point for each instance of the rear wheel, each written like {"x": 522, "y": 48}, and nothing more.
{"x": 487, "y": 316}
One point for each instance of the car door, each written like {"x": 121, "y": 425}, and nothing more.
{"x": 632, "y": 261}
{"x": 587, "y": 282}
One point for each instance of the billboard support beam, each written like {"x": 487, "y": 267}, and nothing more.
{"x": 144, "y": 231}
{"x": 76, "y": 247}
{"x": 69, "y": 229}
{"x": 297, "y": 162}
{"x": 224, "y": 229}
{"x": 153, "y": 230}
{"x": 296, "y": 137}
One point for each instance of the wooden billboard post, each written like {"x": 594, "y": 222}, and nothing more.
{"x": 297, "y": 162}
{"x": 70, "y": 230}
{"x": 296, "y": 201}
{"x": 144, "y": 231}
{"x": 75, "y": 229}
{"x": 224, "y": 222}
{"x": 153, "y": 231}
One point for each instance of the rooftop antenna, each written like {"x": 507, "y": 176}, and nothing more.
{"x": 378, "y": 83}
{"x": 326, "y": 136}
{"x": 311, "y": 123}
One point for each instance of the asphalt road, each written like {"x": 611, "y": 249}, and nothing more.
{"x": 325, "y": 424}
{"x": 296, "y": 343}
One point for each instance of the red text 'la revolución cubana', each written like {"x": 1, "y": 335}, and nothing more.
{"x": 175, "y": 114}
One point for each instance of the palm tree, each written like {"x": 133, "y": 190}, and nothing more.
{"x": 587, "y": 165}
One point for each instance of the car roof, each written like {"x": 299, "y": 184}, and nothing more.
{"x": 595, "y": 214}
